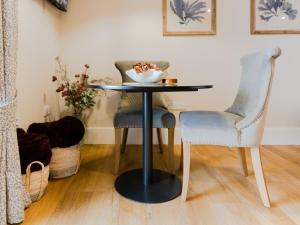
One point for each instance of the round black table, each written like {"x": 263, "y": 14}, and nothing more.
{"x": 148, "y": 185}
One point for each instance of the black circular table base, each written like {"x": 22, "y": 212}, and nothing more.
{"x": 164, "y": 186}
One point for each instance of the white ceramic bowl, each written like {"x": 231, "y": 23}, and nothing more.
{"x": 150, "y": 76}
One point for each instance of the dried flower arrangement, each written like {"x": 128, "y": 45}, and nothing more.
{"x": 75, "y": 93}
{"x": 144, "y": 67}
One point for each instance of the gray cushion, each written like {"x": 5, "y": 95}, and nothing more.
{"x": 132, "y": 117}
{"x": 216, "y": 128}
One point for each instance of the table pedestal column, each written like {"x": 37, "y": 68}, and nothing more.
{"x": 148, "y": 185}
{"x": 147, "y": 138}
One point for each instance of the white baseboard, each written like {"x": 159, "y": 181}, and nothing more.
{"x": 272, "y": 136}
{"x": 282, "y": 136}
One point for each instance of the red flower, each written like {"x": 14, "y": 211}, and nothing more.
{"x": 64, "y": 93}
{"x": 60, "y": 88}
{"x": 54, "y": 78}
{"x": 87, "y": 66}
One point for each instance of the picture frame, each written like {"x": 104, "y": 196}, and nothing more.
{"x": 275, "y": 17}
{"x": 189, "y": 17}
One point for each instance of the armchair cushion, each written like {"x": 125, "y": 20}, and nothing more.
{"x": 132, "y": 117}
{"x": 205, "y": 127}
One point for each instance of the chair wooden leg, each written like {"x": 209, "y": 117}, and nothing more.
{"x": 259, "y": 175}
{"x": 181, "y": 157}
{"x": 160, "y": 142}
{"x": 243, "y": 161}
{"x": 186, "y": 169}
{"x": 171, "y": 133}
{"x": 124, "y": 140}
{"x": 117, "y": 149}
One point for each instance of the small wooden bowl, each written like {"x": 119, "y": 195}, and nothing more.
{"x": 170, "y": 81}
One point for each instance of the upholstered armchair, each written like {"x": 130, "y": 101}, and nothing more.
{"x": 241, "y": 125}
{"x": 129, "y": 115}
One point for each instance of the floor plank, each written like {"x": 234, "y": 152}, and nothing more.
{"x": 218, "y": 193}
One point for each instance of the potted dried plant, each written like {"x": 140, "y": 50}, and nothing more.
{"x": 77, "y": 96}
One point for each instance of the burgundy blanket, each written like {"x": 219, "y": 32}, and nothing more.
{"x": 33, "y": 147}
{"x": 63, "y": 133}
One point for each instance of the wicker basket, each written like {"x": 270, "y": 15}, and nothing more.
{"x": 36, "y": 182}
{"x": 65, "y": 162}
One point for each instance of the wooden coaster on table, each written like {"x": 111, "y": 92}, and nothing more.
{"x": 170, "y": 81}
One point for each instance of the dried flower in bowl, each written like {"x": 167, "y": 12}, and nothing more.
{"x": 145, "y": 73}
{"x": 144, "y": 67}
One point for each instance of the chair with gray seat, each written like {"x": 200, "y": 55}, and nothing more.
{"x": 129, "y": 115}
{"x": 241, "y": 126}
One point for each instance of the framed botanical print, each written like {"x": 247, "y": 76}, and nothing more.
{"x": 275, "y": 17}
{"x": 189, "y": 17}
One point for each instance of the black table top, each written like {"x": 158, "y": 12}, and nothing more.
{"x": 137, "y": 87}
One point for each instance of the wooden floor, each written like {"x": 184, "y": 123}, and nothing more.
{"x": 218, "y": 193}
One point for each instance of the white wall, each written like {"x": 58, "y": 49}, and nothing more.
{"x": 98, "y": 32}
{"x": 39, "y": 44}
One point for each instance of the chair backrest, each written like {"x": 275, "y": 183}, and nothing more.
{"x": 255, "y": 86}
{"x": 123, "y": 66}
{"x": 133, "y": 99}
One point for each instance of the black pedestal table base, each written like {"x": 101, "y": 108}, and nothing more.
{"x": 164, "y": 186}
{"x": 148, "y": 185}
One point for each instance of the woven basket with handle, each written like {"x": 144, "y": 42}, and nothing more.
{"x": 65, "y": 162}
{"x": 36, "y": 182}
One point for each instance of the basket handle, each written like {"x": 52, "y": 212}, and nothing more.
{"x": 78, "y": 165}
{"x": 28, "y": 175}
